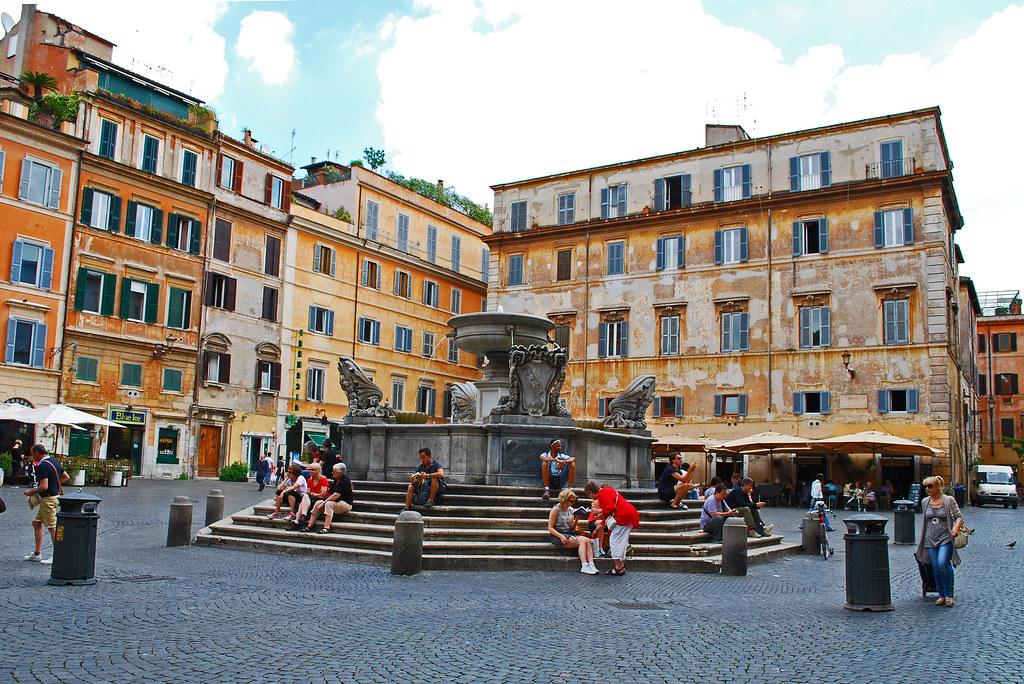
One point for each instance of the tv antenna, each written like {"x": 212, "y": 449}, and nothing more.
{"x": 291, "y": 152}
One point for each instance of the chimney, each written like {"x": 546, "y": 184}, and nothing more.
{"x": 312, "y": 160}
{"x": 248, "y": 138}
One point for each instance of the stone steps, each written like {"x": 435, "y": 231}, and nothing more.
{"x": 481, "y": 527}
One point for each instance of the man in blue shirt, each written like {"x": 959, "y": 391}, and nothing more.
{"x": 50, "y": 477}
{"x": 714, "y": 512}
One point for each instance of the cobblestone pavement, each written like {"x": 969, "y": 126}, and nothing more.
{"x": 190, "y": 613}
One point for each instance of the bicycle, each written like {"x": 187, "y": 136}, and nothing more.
{"x": 823, "y": 527}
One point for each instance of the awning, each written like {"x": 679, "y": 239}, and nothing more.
{"x": 315, "y": 437}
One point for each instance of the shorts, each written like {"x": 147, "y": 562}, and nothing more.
{"x": 666, "y": 494}
{"x": 558, "y": 542}
{"x": 559, "y": 476}
{"x": 47, "y": 512}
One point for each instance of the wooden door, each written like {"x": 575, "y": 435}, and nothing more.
{"x": 209, "y": 450}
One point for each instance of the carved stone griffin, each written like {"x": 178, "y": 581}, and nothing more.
{"x": 535, "y": 378}
{"x": 627, "y": 410}
{"x": 363, "y": 396}
{"x": 464, "y": 395}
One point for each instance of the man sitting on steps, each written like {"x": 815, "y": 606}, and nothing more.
{"x": 741, "y": 501}
{"x": 557, "y": 466}
{"x": 427, "y": 486}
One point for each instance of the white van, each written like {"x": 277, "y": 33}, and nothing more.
{"x": 993, "y": 484}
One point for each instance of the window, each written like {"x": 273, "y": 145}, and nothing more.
{"x": 372, "y": 219}
{"x": 183, "y": 233}
{"x": 222, "y": 240}
{"x": 272, "y": 257}
{"x": 891, "y": 153}
{"x": 563, "y": 264}
{"x": 268, "y": 374}
{"x": 40, "y": 183}
{"x": 131, "y": 374}
{"x": 31, "y": 264}
{"x": 397, "y": 393}
{"x": 897, "y": 401}
{"x": 189, "y": 163}
{"x": 732, "y": 183}
{"x": 731, "y": 245}
{"x": 446, "y": 402}
{"x": 101, "y": 210}
{"x": 217, "y": 367}
{"x": 108, "y": 139}
{"x": 139, "y": 300}
{"x": 669, "y": 335}
{"x": 672, "y": 192}
{"x": 667, "y": 407}
{"x": 274, "y": 194}
{"x": 425, "y": 400}
{"x": 515, "y": 269}
{"x": 815, "y": 327}
{"x": 316, "y": 382}
{"x": 87, "y": 369}
{"x": 403, "y": 339}
{"x": 612, "y": 338}
{"x": 896, "y": 321}
{"x": 150, "y": 153}
{"x": 485, "y": 264}
{"x": 402, "y": 233}
{"x": 616, "y": 260}
{"x": 323, "y": 259}
{"x": 229, "y": 173}
{"x": 613, "y": 201}
{"x": 403, "y": 284}
{"x": 456, "y": 301}
{"x": 1006, "y": 427}
{"x": 561, "y": 336}
{"x": 432, "y": 244}
{"x": 518, "y": 219}
{"x": 981, "y": 342}
{"x": 369, "y": 330}
{"x": 1004, "y": 342}
{"x": 734, "y": 332}
{"x": 172, "y": 380}
{"x": 26, "y": 343}
{"x": 894, "y": 227}
{"x": 144, "y": 222}
{"x": 1006, "y": 384}
{"x": 431, "y": 293}
{"x": 730, "y": 404}
{"x": 269, "y": 304}
{"x": 453, "y": 352}
{"x": 670, "y": 252}
{"x": 428, "y": 345}
{"x": 810, "y": 236}
{"x": 456, "y": 252}
{"x": 321, "y": 320}
{"x": 12, "y": 45}
{"x": 371, "y": 274}
{"x": 179, "y": 309}
{"x": 95, "y": 292}
{"x": 567, "y": 209}
{"x": 982, "y": 384}
{"x": 809, "y": 172}
{"x": 220, "y": 291}
{"x": 810, "y": 402}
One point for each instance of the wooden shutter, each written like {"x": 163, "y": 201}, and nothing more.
{"x": 80, "y": 285}
{"x": 12, "y": 329}
{"x": 225, "y": 368}
{"x": 744, "y": 337}
{"x": 679, "y": 407}
{"x": 156, "y": 226}
{"x": 659, "y": 194}
{"x": 602, "y": 339}
{"x": 743, "y": 243}
{"x": 236, "y": 183}
{"x": 16, "y": 261}
{"x": 823, "y": 236}
{"x": 601, "y": 407}
{"x": 114, "y": 219}
{"x": 272, "y": 261}
{"x": 53, "y": 196}
{"x": 23, "y": 185}
{"x": 275, "y": 376}
{"x": 826, "y": 170}
{"x": 825, "y": 403}
{"x": 805, "y": 327}
{"x": 172, "y": 230}
{"x": 229, "y": 293}
{"x": 742, "y": 401}
{"x": 108, "y": 294}
{"x": 879, "y": 229}
{"x": 39, "y": 345}
{"x": 129, "y": 221}
{"x": 220, "y": 166}
{"x": 126, "y": 294}
{"x": 366, "y": 272}
{"x": 222, "y": 240}
{"x": 685, "y": 197}
{"x": 656, "y": 407}
{"x": 195, "y": 234}
{"x": 660, "y": 262}
{"x": 718, "y": 188}
{"x": 86, "y": 218}
{"x": 798, "y": 238}
{"x": 826, "y": 326}
{"x": 911, "y": 401}
{"x": 745, "y": 174}
{"x": 883, "y": 401}
{"x": 680, "y": 251}
{"x": 174, "y": 308}
{"x": 798, "y": 403}
{"x": 794, "y": 174}
{"x": 718, "y": 247}
{"x": 152, "y": 302}
{"x": 908, "y": 226}
{"x": 46, "y": 269}
{"x": 718, "y": 404}
{"x": 268, "y": 189}
{"x": 604, "y": 203}
{"x": 624, "y": 338}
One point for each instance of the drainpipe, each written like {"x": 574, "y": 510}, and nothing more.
{"x": 768, "y": 284}
{"x": 75, "y": 198}
{"x": 586, "y": 315}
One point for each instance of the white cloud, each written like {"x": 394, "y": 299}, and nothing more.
{"x": 265, "y": 38}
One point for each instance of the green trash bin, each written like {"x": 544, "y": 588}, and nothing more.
{"x": 74, "y": 549}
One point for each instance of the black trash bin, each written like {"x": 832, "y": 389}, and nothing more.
{"x": 960, "y": 494}
{"x": 904, "y": 525}
{"x": 867, "y": 563}
{"x": 74, "y": 550}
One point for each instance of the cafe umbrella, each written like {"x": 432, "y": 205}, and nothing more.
{"x": 765, "y": 443}
{"x": 63, "y": 415}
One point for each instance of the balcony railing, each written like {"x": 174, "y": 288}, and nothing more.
{"x": 893, "y": 168}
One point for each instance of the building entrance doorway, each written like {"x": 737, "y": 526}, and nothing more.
{"x": 208, "y": 453}
{"x": 126, "y": 444}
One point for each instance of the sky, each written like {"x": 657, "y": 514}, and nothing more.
{"x": 481, "y": 92}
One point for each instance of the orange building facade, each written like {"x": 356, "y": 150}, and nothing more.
{"x": 1000, "y": 365}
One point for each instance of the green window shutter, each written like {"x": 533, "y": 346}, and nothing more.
{"x": 174, "y": 304}
{"x": 157, "y": 226}
{"x": 197, "y": 230}
{"x": 126, "y": 294}
{"x": 80, "y": 288}
{"x": 107, "y": 299}
{"x": 152, "y": 302}
{"x": 172, "y": 230}
{"x": 114, "y": 220}
{"x": 186, "y": 315}
{"x": 129, "y": 220}
{"x": 86, "y": 206}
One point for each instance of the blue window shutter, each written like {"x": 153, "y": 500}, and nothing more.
{"x": 53, "y": 199}
{"x": 718, "y": 185}
{"x": 883, "y": 401}
{"x": 798, "y": 403}
{"x": 312, "y": 317}
{"x": 26, "y": 177}
{"x": 624, "y": 338}
{"x": 726, "y": 339}
{"x": 911, "y": 401}
{"x": 86, "y": 206}
{"x": 156, "y": 227}
{"x": 746, "y": 180}
{"x": 743, "y": 405}
{"x": 659, "y": 194}
{"x": 108, "y": 296}
{"x": 908, "y": 226}
{"x": 330, "y": 322}
{"x": 152, "y": 300}
{"x": 12, "y": 328}
{"x": 333, "y": 260}
{"x": 743, "y": 243}
{"x": 376, "y": 332}
{"x": 879, "y": 229}
{"x": 604, "y": 203}
{"x": 39, "y": 345}
{"x": 656, "y": 407}
{"x": 823, "y": 236}
{"x": 621, "y": 199}
{"x": 602, "y": 339}
{"x": 826, "y": 326}
{"x": 825, "y": 403}
{"x": 826, "y": 170}
{"x": 196, "y": 236}
{"x": 744, "y": 343}
{"x": 718, "y": 404}
{"x": 379, "y": 269}
{"x": 679, "y": 407}
{"x": 794, "y": 174}
{"x": 129, "y": 221}
{"x": 16, "y": 260}
{"x": 601, "y": 407}
{"x": 366, "y": 273}
{"x": 316, "y": 258}
{"x": 661, "y": 254}
{"x": 114, "y": 220}
{"x": 684, "y": 186}
{"x": 798, "y": 238}
{"x": 718, "y": 247}
{"x": 680, "y": 251}
{"x": 805, "y": 327}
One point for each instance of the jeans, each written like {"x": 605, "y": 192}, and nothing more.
{"x": 942, "y": 567}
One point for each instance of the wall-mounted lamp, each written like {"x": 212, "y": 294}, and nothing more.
{"x": 322, "y": 415}
{"x": 846, "y": 364}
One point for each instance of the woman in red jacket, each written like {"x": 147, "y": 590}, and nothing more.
{"x": 619, "y": 517}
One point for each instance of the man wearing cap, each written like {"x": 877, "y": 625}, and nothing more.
{"x": 557, "y": 465}
{"x": 50, "y": 477}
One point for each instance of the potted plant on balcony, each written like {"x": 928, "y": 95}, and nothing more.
{"x": 40, "y": 82}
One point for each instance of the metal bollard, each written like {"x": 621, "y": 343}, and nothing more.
{"x": 179, "y": 525}
{"x": 734, "y": 547}
{"x": 407, "y": 549}
{"x": 214, "y": 506}
{"x": 811, "y": 539}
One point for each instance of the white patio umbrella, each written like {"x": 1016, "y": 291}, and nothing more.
{"x": 12, "y": 411}
{"x": 874, "y": 441}
{"x": 62, "y": 414}
{"x": 766, "y": 443}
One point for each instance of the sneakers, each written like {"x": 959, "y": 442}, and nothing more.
{"x": 681, "y": 507}
{"x": 49, "y": 561}
{"x": 589, "y": 569}
{"x": 289, "y": 517}
{"x": 768, "y": 529}
{"x": 274, "y": 516}
{"x": 34, "y": 557}
{"x": 429, "y": 503}
{"x": 753, "y": 533}
{"x": 547, "y": 495}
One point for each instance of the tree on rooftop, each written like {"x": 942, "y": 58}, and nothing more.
{"x": 374, "y": 157}
{"x": 39, "y": 81}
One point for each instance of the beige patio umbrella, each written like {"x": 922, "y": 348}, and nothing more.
{"x": 874, "y": 441}
{"x": 766, "y": 443}
{"x": 685, "y": 443}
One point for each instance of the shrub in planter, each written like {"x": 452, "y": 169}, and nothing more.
{"x": 6, "y": 464}
{"x": 236, "y": 472}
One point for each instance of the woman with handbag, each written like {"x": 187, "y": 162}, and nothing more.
{"x": 561, "y": 528}
{"x": 620, "y": 517}
{"x": 940, "y": 526}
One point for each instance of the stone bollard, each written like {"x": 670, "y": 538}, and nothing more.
{"x": 407, "y": 550}
{"x": 734, "y": 547}
{"x": 214, "y": 506}
{"x": 811, "y": 539}
{"x": 179, "y": 525}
